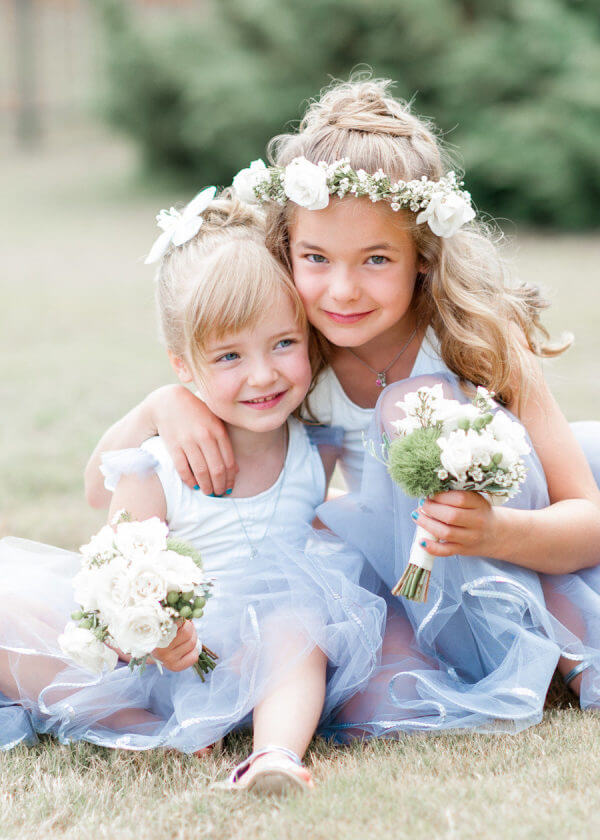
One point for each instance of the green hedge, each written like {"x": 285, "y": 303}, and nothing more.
{"x": 513, "y": 84}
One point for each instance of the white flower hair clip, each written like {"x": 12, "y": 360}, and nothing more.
{"x": 179, "y": 227}
{"x": 442, "y": 204}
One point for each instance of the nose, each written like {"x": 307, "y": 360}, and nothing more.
{"x": 262, "y": 372}
{"x": 342, "y": 285}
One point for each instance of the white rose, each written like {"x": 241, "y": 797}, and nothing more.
{"x": 483, "y": 446}
{"x": 456, "y": 454}
{"x": 306, "y": 184}
{"x": 510, "y": 456}
{"x": 505, "y": 429}
{"x": 147, "y": 580}
{"x": 113, "y": 588}
{"x": 85, "y": 587}
{"x": 141, "y": 628}
{"x": 86, "y": 650}
{"x": 180, "y": 571}
{"x": 244, "y": 182}
{"x": 138, "y": 539}
{"x": 446, "y": 213}
{"x": 101, "y": 545}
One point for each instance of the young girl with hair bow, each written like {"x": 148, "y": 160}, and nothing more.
{"x": 400, "y": 281}
{"x": 294, "y": 633}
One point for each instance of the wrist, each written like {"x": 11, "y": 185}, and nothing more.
{"x": 511, "y": 526}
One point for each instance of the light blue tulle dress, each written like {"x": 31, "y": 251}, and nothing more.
{"x": 276, "y": 597}
{"x": 480, "y": 653}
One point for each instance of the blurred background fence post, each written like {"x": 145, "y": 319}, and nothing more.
{"x": 27, "y": 111}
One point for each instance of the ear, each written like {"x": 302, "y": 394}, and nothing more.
{"x": 180, "y": 367}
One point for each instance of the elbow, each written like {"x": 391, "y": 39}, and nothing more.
{"x": 96, "y": 495}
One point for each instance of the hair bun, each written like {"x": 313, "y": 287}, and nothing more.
{"x": 365, "y": 106}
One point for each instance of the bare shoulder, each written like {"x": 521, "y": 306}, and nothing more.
{"x": 141, "y": 497}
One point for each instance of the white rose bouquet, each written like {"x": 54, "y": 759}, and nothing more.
{"x": 135, "y": 585}
{"x": 444, "y": 444}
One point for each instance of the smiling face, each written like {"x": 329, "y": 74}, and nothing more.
{"x": 255, "y": 378}
{"x": 355, "y": 268}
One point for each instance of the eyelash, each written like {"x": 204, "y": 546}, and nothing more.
{"x": 224, "y": 358}
{"x": 322, "y": 260}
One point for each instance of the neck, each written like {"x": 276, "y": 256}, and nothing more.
{"x": 379, "y": 351}
{"x": 246, "y": 443}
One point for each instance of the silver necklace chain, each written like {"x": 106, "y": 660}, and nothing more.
{"x": 255, "y": 546}
{"x": 381, "y": 380}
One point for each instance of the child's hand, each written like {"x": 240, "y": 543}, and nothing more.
{"x": 182, "y": 653}
{"x": 465, "y": 521}
{"x": 196, "y": 439}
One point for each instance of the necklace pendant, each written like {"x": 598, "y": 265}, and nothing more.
{"x": 253, "y": 553}
{"x": 381, "y": 380}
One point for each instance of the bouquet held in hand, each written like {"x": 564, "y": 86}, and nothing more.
{"x": 443, "y": 444}
{"x": 135, "y": 587}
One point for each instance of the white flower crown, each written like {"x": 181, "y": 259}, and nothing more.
{"x": 443, "y": 204}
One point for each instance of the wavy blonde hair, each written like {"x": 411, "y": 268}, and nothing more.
{"x": 466, "y": 294}
{"x": 220, "y": 281}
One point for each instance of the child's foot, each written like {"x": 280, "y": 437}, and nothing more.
{"x": 270, "y": 770}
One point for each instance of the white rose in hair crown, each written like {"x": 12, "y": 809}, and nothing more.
{"x": 135, "y": 585}
{"x": 442, "y": 445}
{"x": 441, "y": 204}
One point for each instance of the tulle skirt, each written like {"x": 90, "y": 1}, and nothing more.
{"x": 480, "y": 653}
{"x": 261, "y": 626}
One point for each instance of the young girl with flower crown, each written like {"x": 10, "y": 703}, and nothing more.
{"x": 294, "y": 633}
{"x": 398, "y": 281}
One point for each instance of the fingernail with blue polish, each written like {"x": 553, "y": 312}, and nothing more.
{"x": 414, "y": 514}
{"x": 421, "y": 502}
{"x": 229, "y": 492}
{"x": 423, "y": 543}
{"x": 196, "y": 486}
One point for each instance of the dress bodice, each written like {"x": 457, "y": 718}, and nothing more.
{"x": 330, "y": 405}
{"x": 225, "y": 530}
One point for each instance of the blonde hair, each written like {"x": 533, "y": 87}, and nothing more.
{"x": 221, "y": 281}
{"x": 465, "y": 293}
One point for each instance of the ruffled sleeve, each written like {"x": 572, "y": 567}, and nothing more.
{"x": 121, "y": 462}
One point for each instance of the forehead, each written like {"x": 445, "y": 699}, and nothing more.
{"x": 278, "y": 316}
{"x": 350, "y": 220}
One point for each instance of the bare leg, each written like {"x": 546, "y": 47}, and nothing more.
{"x": 289, "y": 715}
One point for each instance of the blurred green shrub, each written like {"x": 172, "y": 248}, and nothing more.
{"x": 512, "y": 84}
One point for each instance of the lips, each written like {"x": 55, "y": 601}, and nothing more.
{"x": 268, "y": 401}
{"x": 347, "y": 318}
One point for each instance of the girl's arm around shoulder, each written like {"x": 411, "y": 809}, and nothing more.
{"x": 196, "y": 440}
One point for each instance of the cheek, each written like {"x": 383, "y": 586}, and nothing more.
{"x": 298, "y": 368}
{"x": 309, "y": 287}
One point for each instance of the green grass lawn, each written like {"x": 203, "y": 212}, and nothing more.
{"x": 77, "y": 349}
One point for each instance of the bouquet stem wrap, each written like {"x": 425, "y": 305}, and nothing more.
{"x": 414, "y": 583}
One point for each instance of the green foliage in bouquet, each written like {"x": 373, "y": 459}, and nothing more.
{"x": 183, "y": 547}
{"x": 413, "y": 462}
{"x": 510, "y": 84}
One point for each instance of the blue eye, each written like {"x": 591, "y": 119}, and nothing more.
{"x": 285, "y": 342}
{"x": 228, "y": 357}
{"x": 378, "y": 259}
{"x": 316, "y": 258}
